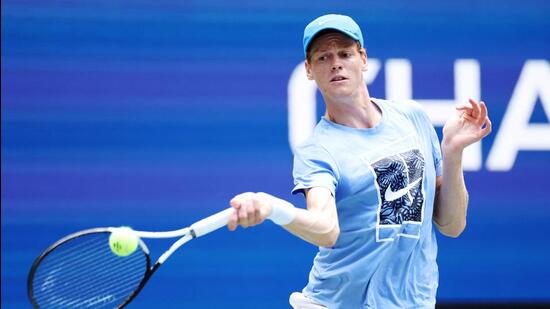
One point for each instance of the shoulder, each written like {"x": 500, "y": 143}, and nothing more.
{"x": 312, "y": 148}
{"x": 410, "y": 109}
{"x": 315, "y": 151}
{"x": 317, "y": 141}
{"x": 405, "y": 107}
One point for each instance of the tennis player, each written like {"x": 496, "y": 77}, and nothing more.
{"x": 376, "y": 181}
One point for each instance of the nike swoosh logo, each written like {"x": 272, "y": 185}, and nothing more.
{"x": 393, "y": 195}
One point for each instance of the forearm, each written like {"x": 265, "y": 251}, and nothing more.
{"x": 316, "y": 226}
{"x": 469, "y": 125}
{"x": 452, "y": 197}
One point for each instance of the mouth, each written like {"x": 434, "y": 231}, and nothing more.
{"x": 338, "y": 78}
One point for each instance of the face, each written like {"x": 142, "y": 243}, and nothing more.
{"x": 336, "y": 63}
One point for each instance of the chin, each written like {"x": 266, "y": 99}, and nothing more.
{"x": 340, "y": 92}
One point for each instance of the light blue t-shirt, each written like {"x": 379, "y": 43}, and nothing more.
{"x": 383, "y": 180}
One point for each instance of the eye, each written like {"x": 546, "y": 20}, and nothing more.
{"x": 322, "y": 58}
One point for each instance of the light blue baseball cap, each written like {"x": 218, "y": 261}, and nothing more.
{"x": 342, "y": 23}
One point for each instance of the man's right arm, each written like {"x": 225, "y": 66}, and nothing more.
{"x": 318, "y": 224}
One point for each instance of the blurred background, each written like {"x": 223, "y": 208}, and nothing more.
{"x": 154, "y": 114}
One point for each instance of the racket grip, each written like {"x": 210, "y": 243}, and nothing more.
{"x": 211, "y": 223}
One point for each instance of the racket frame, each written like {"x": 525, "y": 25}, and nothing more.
{"x": 197, "y": 229}
{"x": 70, "y": 237}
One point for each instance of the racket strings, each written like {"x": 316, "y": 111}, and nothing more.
{"x": 76, "y": 282}
{"x": 69, "y": 255}
{"x": 83, "y": 272}
{"x": 71, "y": 260}
{"x": 77, "y": 279}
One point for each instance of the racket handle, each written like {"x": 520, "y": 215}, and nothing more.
{"x": 211, "y": 223}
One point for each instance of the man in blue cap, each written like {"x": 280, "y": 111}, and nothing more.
{"x": 376, "y": 181}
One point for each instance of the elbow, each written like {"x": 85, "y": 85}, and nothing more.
{"x": 452, "y": 234}
{"x": 453, "y": 231}
{"x": 329, "y": 239}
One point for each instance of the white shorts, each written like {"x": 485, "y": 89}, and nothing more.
{"x": 299, "y": 301}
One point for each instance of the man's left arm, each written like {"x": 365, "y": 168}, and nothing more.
{"x": 470, "y": 124}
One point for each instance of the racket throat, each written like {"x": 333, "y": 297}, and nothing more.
{"x": 175, "y": 247}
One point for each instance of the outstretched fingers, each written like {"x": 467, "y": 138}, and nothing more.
{"x": 473, "y": 111}
{"x": 488, "y": 127}
{"x": 476, "y": 108}
{"x": 483, "y": 120}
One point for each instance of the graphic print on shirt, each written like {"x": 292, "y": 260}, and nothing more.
{"x": 401, "y": 198}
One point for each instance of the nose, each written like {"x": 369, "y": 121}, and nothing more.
{"x": 336, "y": 66}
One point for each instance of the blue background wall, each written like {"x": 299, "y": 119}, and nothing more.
{"x": 154, "y": 114}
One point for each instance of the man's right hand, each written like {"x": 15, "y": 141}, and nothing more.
{"x": 250, "y": 209}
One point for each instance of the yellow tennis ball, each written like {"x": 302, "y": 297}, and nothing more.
{"x": 123, "y": 241}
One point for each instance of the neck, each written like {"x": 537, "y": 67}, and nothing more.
{"x": 356, "y": 111}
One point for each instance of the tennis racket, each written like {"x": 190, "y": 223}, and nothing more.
{"x": 81, "y": 271}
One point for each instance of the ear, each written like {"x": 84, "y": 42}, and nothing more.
{"x": 308, "y": 70}
{"x": 364, "y": 58}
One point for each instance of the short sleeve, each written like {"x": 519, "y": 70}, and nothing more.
{"x": 436, "y": 151}
{"x": 428, "y": 130}
{"x": 314, "y": 167}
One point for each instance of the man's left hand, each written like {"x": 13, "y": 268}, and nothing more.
{"x": 470, "y": 124}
